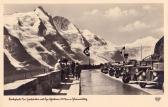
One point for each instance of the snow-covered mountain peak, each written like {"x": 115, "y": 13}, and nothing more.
{"x": 141, "y": 47}
{"x": 92, "y": 38}
{"x": 41, "y": 13}
{"x": 146, "y": 41}
{"x": 46, "y": 20}
{"x": 64, "y": 25}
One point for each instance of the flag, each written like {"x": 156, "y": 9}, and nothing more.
{"x": 123, "y": 48}
{"x": 86, "y": 51}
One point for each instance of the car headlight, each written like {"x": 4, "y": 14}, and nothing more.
{"x": 127, "y": 70}
{"x": 136, "y": 70}
{"x": 143, "y": 74}
{"x": 154, "y": 74}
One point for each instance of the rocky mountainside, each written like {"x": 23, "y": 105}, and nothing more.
{"x": 80, "y": 39}
{"x": 159, "y": 49}
{"x": 101, "y": 50}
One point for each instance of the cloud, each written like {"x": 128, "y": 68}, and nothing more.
{"x": 117, "y": 12}
{"x": 137, "y": 25}
{"x": 113, "y": 12}
{"x": 92, "y": 12}
{"x": 158, "y": 30}
{"x": 115, "y": 22}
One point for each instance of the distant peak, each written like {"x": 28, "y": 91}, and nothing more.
{"x": 41, "y": 9}
{"x": 147, "y": 41}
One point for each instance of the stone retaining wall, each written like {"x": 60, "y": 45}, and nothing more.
{"x": 41, "y": 85}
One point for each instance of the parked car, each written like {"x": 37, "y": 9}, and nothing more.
{"x": 117, "y": 69}
{"x": 154, "y": 75}
{"x": 130, "y": 71}
{"x": 104, "y": 68}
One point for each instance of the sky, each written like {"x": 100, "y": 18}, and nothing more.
{"x": 117, "y": 23}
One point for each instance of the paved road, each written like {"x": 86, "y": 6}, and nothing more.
{"x": 93, "y": 82}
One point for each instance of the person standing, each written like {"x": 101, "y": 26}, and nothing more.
{"x": 73, "y": 68}
{"x": 59, "y": 67}
{"x": 68, "y": 68}
{"x": 78, "y": 71}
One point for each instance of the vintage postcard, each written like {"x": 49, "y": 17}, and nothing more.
{"x": 82, "y": 53}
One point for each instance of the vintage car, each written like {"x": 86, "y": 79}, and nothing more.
{"x": 111, "y": 70}
{"x": 116, "y": 69}
{"x": 104, "y": 68}
{"x": 153, "y": 75}
{"x": 130, "y": 71}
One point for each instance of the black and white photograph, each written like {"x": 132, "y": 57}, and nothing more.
{"x": 83, "y": 49}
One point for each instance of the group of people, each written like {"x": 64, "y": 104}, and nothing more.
{"x": 68, "y": 68}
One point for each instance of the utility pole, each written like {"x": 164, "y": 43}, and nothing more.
{"x": 89, "y": 59}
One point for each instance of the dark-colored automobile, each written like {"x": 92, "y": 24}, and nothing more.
{"x": 130, "y": 71}
{"x": 154, "y": 75}
{"x": 104, "y": 68}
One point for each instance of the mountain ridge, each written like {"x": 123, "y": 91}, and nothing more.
{"x": 36, "y": 39}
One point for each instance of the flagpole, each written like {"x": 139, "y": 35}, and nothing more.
{"x": 89, "y": 60}
{"x": 141, "y": 52}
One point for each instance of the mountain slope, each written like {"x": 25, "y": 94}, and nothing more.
{"x": 72, "y": 35}
{"x": 101, "y": 50}
{"x": 144, "y": 46}
{"x": 80, "y": 39}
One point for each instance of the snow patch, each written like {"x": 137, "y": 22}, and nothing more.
{"x": 12, "y": 60}
{"x": 59, "y": 46}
